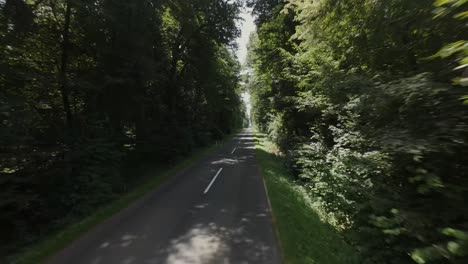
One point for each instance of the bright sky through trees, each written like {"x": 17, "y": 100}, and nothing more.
{"x": 247, "y": 26}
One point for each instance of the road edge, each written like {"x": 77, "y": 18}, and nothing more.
{"x": 273, "y": 218}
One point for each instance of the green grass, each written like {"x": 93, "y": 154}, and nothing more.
{"x": 58, "y": 241}
{"x": 303, "y": 236}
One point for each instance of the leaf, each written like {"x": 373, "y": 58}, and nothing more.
{"x": 455, "y": 233}
{"x": 456, "y": 249}
{"x": 452, "y": 48}
{"x": 465, "y": 98}
{"x": 461, "y": 15}
{"x": 425, "y": 255}
{"x": 442, "y": 2}
{"x": 461, "y": 81}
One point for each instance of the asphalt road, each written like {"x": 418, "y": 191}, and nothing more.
{"x": 216, "y": 211}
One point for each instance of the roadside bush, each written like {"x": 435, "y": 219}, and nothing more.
{"x": 95, "y": 177}
{"x": 381, "y": 169}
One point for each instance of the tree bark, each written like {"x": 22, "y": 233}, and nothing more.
{"x": 63, "y": 79}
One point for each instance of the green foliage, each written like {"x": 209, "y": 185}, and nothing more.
{"x": 374, "y": 131}
{"x": 305, "y": 236}
{"x": 95, "y": 177}
{"x": 460, "y": 47}
{"x": 86, "y": 87}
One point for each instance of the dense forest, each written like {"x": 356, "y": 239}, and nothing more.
{"x": 88, "y": 89}
{"x": 365, "y": 101}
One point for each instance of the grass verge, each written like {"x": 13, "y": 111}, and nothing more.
{"x": 58, "y": 241}
{"x": 304, "y": 237}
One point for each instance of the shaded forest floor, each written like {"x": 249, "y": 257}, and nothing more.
{"x": 148, "y": 177}
{"x": 304, "y": 237}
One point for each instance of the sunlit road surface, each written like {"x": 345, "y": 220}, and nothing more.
{"x": 216, "y": 211}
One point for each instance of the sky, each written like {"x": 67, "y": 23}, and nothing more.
{"x": 247, "y": 26}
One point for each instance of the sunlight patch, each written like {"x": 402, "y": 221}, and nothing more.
{"x": 200, "y": 245}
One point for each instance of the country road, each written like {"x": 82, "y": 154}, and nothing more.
{"x": 215, "y": 211}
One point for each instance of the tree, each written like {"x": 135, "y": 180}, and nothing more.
{"x": 369, "y": 124}
{"x": 90, "y": 88}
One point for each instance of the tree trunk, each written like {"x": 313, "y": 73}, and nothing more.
{"x": 64, "y": 89}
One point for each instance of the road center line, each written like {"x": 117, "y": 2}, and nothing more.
{"x": 233, "y": 150}
{"x": 212, "y": 181}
